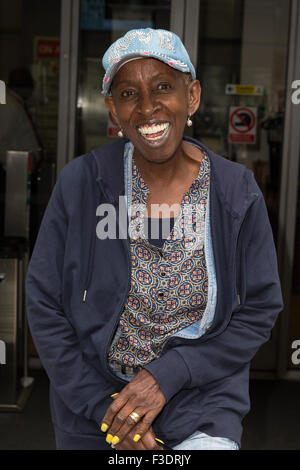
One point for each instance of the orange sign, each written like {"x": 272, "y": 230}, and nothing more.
{"x": 48, "y": 48}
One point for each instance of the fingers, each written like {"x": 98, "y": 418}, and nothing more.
{"x": 140, "y": 438}
{"x": 142, "y": 427}
{"x": 150, "y": 442}
{"x": 147, "y": 443}
{"x": 124, "y": 423}
{"x": 137, "y": 431}
{"x": 142, "y": 396}
{"x": 118, "y": 403}
{"x": 129, "y": 444}
{"x": 118, "y": 427}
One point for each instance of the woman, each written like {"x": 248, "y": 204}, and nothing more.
{"x": 146, "y": 336}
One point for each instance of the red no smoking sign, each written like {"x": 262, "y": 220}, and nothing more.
{"x": 242, "y": 125}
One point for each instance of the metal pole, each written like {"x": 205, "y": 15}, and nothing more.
{"x": 67, "y": 82}
{"x": 177, "y": 17}
{"x": 73, "y": 78}
{"x": 191, "y": 36}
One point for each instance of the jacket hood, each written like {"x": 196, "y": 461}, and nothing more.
{"x": 110, "y": 168}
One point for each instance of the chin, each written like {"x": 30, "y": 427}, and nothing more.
{"x": 156, "y": 154}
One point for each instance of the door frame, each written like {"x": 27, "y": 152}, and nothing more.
{"x": 68, "y": 72}
{"x": 184, "y": 21}
{"x": 289, "y": 194}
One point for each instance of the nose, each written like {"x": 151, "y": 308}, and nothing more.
{"x": 147, "y": 104}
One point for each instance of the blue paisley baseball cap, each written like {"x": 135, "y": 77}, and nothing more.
{"x": 141, "y": 43}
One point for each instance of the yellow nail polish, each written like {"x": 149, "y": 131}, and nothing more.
{"x": 109, "y": 438}
{"x": 114, "y": 395}
{"x": 159, "y": 440}
{"x": 104, "y": 427}
{"x": 115, "y": 440}
{"x": 137, "y": 438}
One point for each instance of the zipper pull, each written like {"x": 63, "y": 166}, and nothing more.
{"x": 238, "y": 299}
{"x": 84, "y": 295}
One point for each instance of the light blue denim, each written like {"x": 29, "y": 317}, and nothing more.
{"x": 198, "y": 440}
{"x": 201, "y": 441}
{"x": 140, "y": 43}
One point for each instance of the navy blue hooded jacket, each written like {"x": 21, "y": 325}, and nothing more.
{"x": 77, "y": 286}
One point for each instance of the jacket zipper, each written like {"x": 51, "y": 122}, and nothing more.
{"x": 238, "y": 281}
{"x": 90, "y": 260}
{"x": 92, "y": 250}
{"x": 89, "y": 273}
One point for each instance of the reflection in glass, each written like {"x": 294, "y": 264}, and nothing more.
{"x": 294, "y": 326}
{"x": 245, "y": 43}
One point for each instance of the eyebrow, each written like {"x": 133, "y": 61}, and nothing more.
{"x": 129, "y": 82}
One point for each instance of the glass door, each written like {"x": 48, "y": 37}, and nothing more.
{"x": 241, "y": 50}
{"x": 293, "y": 361}
{"x": 289, "y": 233}
{"x": 29, "y": 75}
{"x": 29, "y": 67}
{"x": 242, "y": 67}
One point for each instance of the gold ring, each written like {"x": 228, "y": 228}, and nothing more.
{"x": 135, "y": 417}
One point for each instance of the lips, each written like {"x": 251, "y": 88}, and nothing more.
{"x": 154, "y": 131}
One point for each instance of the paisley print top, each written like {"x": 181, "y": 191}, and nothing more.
{"x": 169, "y": 283}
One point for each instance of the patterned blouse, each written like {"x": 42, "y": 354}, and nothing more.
{"x": 168, "y": 284}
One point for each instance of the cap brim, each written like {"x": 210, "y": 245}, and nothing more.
{"x": 116, "y": 67}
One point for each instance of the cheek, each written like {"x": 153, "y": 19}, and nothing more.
{"x": 170, "y": 109}
{"x": 178, "y": 109}
{"x": 124, "y": 116}
{"x": 181, "y": 117}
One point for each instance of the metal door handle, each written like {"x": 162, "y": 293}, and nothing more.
{"x": 2, "y": 276}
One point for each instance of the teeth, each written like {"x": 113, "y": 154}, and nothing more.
{"x": 153, "y": 129}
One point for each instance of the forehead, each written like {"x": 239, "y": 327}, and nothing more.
{"x": 145, "y": 68}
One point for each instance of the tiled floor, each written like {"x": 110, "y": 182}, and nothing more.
{"x": 272, "y": 424}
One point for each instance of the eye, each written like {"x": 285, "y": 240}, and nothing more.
{"x": 164, "y": 86}
{"x": 127, "y": 93}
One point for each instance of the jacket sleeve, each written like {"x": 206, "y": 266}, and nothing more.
{"x": 203, "y": 362}
{"x": 78, "y": 384}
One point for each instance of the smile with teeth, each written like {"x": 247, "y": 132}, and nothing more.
{"x": 154, "y": 131}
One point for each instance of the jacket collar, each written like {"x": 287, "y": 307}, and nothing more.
{"x": 230, "y": 180}
{"x": 110, "y": 166}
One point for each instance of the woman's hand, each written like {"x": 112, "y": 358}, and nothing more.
{"x": 141, "y": 396}
{"x": 146, "y": 443}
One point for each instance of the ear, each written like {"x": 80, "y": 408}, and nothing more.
{"x": 194, "y": 94}
{"x": 109, "y": 103}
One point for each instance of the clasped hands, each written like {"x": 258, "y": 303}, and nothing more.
{"x": 129, "y": 418}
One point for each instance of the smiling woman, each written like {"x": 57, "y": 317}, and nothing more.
{"x": 149, "y": 338}
{"x": 152, "y": 102}
{"x": 152, "y": 107}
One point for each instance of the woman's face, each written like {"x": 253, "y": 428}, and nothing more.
{"x": 151, "y": 102}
